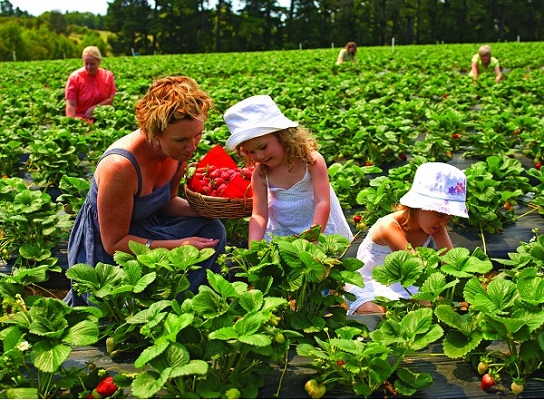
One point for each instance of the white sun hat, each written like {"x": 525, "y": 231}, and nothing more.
{"x": 253, "y": 117}
{"x": 438, "y": 187}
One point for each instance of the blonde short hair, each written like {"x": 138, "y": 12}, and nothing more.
{"x": 485, "y": 50}
{"x": 92, "y": 51}
{"x": 169, "y": 100}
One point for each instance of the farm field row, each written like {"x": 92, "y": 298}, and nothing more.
{"x": 375, "y": 121}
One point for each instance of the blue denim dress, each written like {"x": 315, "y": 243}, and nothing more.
{"x": 85, "y": 244}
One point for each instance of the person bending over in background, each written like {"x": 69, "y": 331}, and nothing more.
{"x": 437, "y": 193}
{"x": 89, "y": 86}
{"x": 347, "y": 53}
{"x": 133, "y": 194}
{"x": 290, "y": 182}
{"x": 483, "y": 62}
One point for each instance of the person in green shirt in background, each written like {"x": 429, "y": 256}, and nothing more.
{"x": 347, "y": 53}
{"x": 484, "y": 62}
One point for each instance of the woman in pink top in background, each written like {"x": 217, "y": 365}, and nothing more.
{"x": 89, "y": 86}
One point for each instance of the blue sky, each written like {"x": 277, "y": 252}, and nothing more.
{"x": 37, "y": 7}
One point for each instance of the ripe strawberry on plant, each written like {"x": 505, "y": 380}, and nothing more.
{"x": 107, "y": 387}
{"x": 456, "y": 136}
{"x": 488, "y": 380}
{"x": 538, "y": 165}
{"x": 357, "y": 218}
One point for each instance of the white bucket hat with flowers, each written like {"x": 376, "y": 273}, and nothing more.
{"x": 253, "y": 117}
{"x": 438, "y": 187}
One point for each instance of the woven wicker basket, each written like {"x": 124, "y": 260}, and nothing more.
{"x": 218, "y": 207}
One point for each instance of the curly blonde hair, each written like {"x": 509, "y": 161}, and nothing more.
{"x": 298, "y": 143}
{"x": 169, "y": 100}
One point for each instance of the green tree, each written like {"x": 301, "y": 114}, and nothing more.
{"x": 11, "y": 40}
{"x": 129, "y": 19}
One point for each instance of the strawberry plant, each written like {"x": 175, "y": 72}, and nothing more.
{"x": 435, "y": 147}
{"x": 55, "y": 153}
{"x": 136, "y": 282}
{"x": 74, "y": 191}
{"x": 29, "y": 218}
{"x": 37, "y": 338}
{"x": 301, "y": 271}
{"x": 440, "y": 278}
{"x": 10, "y": 153}
{"x": 226, "y": 335}
{"x": 347, "y": 363}
{"x": 490, "y": 185}
{"x": 533, "y": 137}
{"x": 537, "y": 199}
{"x": 344, "y": 177}
{"x": 504, "y": 308}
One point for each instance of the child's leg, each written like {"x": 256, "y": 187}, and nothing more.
{"x": 369, "y": 308}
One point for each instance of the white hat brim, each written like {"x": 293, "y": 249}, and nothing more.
{"x": 451, "y": 207}
{"x": 242, "y": 136}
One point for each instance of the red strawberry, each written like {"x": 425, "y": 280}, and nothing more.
{"x": 107, "y": 387}
{"x": 487, "y": 381}
{"x": 357, "y": 218}
{"x": 403, "y": 157}
{"x": 538, "y": 165}
{"x": 456, "y": 136}
{"x": 445, "y": 96}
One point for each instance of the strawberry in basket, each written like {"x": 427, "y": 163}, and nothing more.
{"x": 218, "y": 175}
{"x": 221, "y": 181}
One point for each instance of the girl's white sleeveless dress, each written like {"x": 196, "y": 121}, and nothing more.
{"x": 373, "y": 254}
{"x": 291, "y": 211}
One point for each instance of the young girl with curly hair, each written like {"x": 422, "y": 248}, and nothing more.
{"x": 290, "y": 182}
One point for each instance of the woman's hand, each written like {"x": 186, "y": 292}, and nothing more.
{"x": 89, "y": 112}
{"x": 199, "y": 243}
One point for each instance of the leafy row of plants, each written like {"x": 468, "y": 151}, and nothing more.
{"x": 224, "y": 340}
{"x": 376, "y": 122}
{"x": 216, "y": 343}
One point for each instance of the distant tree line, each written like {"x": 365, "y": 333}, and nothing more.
{"x": 196, "y": 26}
